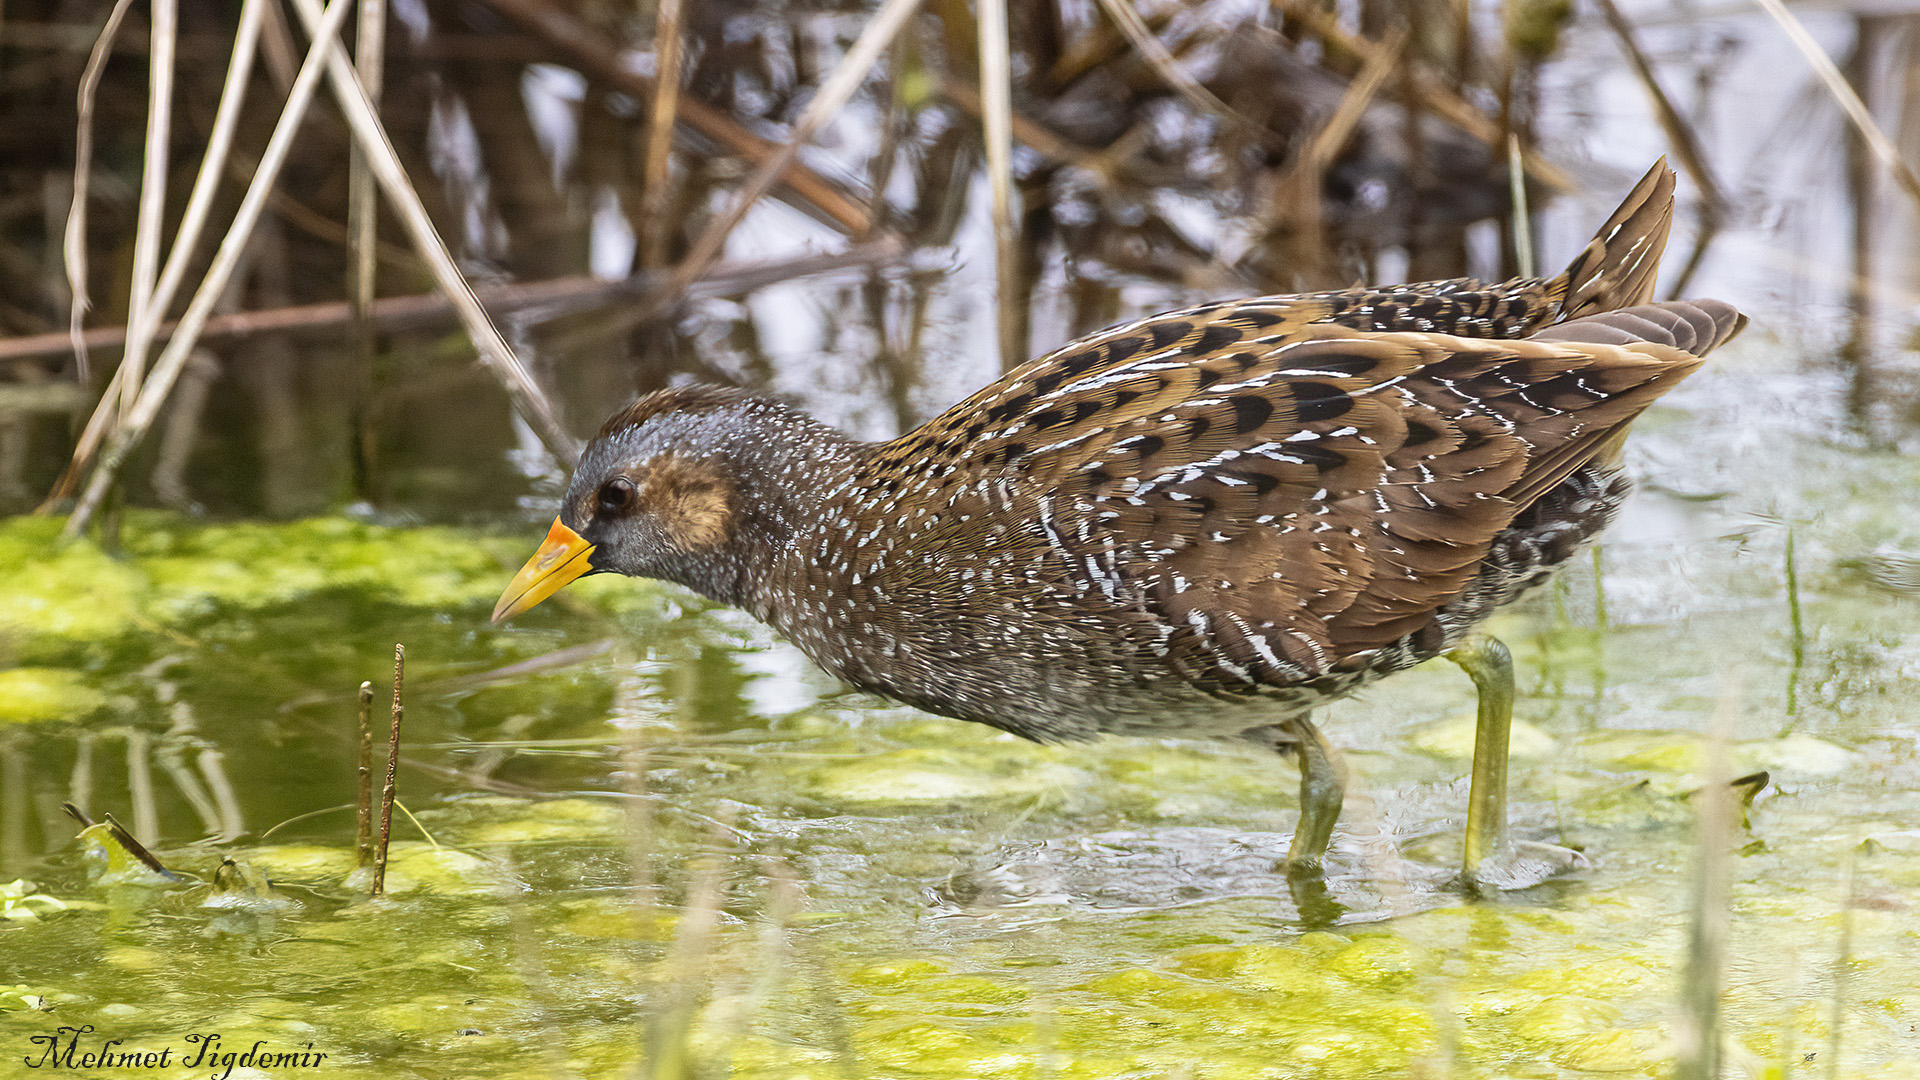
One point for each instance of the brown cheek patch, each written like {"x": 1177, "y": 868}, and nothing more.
{"x": 692, "y": 502}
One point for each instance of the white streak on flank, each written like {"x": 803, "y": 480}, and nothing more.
{"x": 1259, "y": 643}
{"x": 1080, "y": 438}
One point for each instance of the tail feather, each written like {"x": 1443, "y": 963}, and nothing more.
{"x": 1696, "y": 327}
{"x": 1690, "y": 328}
{"x": 1617, "y": 267}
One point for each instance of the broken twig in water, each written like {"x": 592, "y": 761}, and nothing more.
{"x": 393, "y": 762}
{"x": 363, "y": 803}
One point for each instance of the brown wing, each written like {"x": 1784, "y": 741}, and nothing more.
{"x": 1283, "y": 508}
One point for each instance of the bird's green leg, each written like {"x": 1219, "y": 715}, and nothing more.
{"x": 1488, "y": 663}
{"x": 1323, "y": 788}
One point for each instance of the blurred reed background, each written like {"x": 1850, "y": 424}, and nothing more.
{"x": 589, "y": 165}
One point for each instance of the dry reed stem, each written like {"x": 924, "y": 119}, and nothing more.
{"x": 562, "y": 295}
{"x": 1295, "y": 199}
{"x": 1167, "y": 66}
{"x": 1031, "y": 134}
{"x": 1837, "y": 85}
{"x": 1435, "y": 95}
{"x": 996, "y": 85}
{"x": 601, "y": 60}
{"x": 132, "y": 846}
{"x": 834, "y": 93}
{"x": 363, "y": 235}
{"x": 1686, "y": 141}
{"x": 150, "y": 217}
{"x": 75, "y": 241}
{"x": 1522, "y": 215}
{"x": 393, "y": 764}
{"x": 193, "y": 220}
{"x": 363, "y": 197}
{"x": 167, "y": 368}
{"x": 363, "y": 800}
{"x": 527, "y": 396}
{"x": 363, "y": 247}
{"x": 657, "y": 193}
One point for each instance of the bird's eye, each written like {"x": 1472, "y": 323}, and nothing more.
{"x": 617, "y": 495}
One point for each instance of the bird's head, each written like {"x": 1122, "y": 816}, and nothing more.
{"x": 656, "y": 494}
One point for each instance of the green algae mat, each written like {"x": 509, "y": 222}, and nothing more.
{"x": 639, "y": 837}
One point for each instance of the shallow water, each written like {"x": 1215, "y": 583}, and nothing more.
{"x": 846, "y": 887}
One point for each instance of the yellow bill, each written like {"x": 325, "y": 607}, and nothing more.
{"x": 563, "y": 557}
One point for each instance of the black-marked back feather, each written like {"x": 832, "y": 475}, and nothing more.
{"x": 1278, "y": 497}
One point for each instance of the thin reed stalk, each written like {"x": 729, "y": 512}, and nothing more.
{"x": 538, "y": 300}
{"x": 363, "y": 774}
{"x": 150, "y": 220}
{"x": 193, "y": 219}
{"x": 656, "y": 222}
{"x": 387, "y": 790}
{"x": 1680, "y": 133}
{"x": 996, "y": 92}
{"x": 363, "y": 245}
{"x": 527, "y": 396}
{"x": 131, "y": 845}
{"x": 363, "y": 206}
{"x": 1167, "y": 66}
{"x": 75, "y": 240}
{"x": 1837, "y": 85}
{"x": 833, "y": 95}
{"x": 167, "y": 368}
{"x": 1522, "y": 215}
